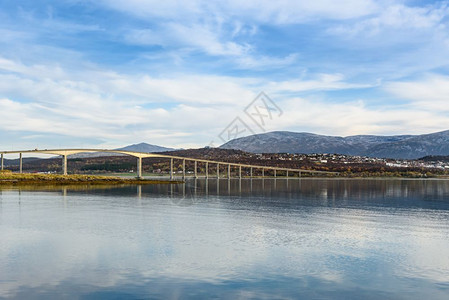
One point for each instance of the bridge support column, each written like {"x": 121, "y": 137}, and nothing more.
{"x": 299, "y": 174}
{"x": 287, "y": 173}
{"x": 240, "y": 172}
{"x": 139, "y": 167}
{"x": 251, "y": 172}
{"x": 64, "y": 164}
{"x": 218, "y": 170}
{"x": 263, "y": 172}
{"x": 2, "y": 162}
{"x": 20, "y": 163}
{"x": 207, "y": 170}
{"x": 196, "y": 167}
{"x": 229, "y": 171}
{"x": 274, "y": 172}
{"x": 171, "y": 168}
{"x": 183, "y": 169}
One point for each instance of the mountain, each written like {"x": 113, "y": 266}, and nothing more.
{"x": 414, "y": 147}
{"x": 142, "y": 147}
{"x": 15, "y": 161}
{"x": 399, "y": 146}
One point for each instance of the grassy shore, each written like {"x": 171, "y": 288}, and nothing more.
{"x": 8, "y": 178}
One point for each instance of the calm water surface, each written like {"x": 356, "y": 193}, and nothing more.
{"x": 309, "y": 238}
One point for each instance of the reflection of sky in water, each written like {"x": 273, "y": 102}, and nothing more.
{"x": 310, "y": 238}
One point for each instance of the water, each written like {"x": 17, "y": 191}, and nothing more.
{"x": 263, "y": 239}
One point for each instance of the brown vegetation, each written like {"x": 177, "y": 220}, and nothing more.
{"x": 9, "y": 178}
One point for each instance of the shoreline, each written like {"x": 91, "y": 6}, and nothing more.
{"x": 14, "y": 179}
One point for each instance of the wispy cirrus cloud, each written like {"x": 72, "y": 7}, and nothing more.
{"x": 397, "y": 17}
{"x": 320, "y": 82}
{"x": 284, "y": 12}
{"x": 197, "y": 36}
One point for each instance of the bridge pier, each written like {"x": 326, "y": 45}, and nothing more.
{"x": 251, "y": 172}
{"x": 20, "y": 163}
{"x": 139, "y": 167}
{"x": 218, "y": 170}
{"x": 195, "y": 171}
{"x": 171, "y": 168}
{"x": 183, "y": 169}
{"x": 263, "y": 172}
{"x": 207, "y": 170}
{"x": 275, "y": 173}
{"x": 229, "y": 171}
{"x": 287, "y": 173}
{"x": 2, "y": 162}
{"x": 64, "y": 164}
{"x": 240, "y": 172}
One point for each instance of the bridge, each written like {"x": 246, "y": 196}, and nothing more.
{"x": 140, "y": 155}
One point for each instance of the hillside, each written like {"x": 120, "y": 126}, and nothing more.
{"x": 400, "y": 146}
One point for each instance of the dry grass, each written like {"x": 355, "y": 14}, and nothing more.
{"x": 9, "y": 178}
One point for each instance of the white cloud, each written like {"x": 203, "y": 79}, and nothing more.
{"x": 198, "y": 36}
{"x": 430, "y": 93}
{"x": 257, "y": 62}
{"x": 117, "y": 107}
{"x": 34, "y": 71}
{"x": 321, "y": 82}
{"x": 355, "y": 117}
{"x": 47, "y": 83}
{"x": 293, "y": 12}
{"x": 397, "y": 17}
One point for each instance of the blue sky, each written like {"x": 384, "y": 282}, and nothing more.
{"x": 175, "y": 73}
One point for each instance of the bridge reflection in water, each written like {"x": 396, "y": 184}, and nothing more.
{"x": 328, "y": 192}
{"x": 248, "y": 169}
{"x": 425, "y": 193}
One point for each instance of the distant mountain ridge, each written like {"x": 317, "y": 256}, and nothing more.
{"x": 398, "y": 146}
{"x": 142, "y": 147}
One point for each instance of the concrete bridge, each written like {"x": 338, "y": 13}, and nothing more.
{"x": 140, "y": 155}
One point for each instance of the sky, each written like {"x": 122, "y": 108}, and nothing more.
{"x": 109, "y": 73}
